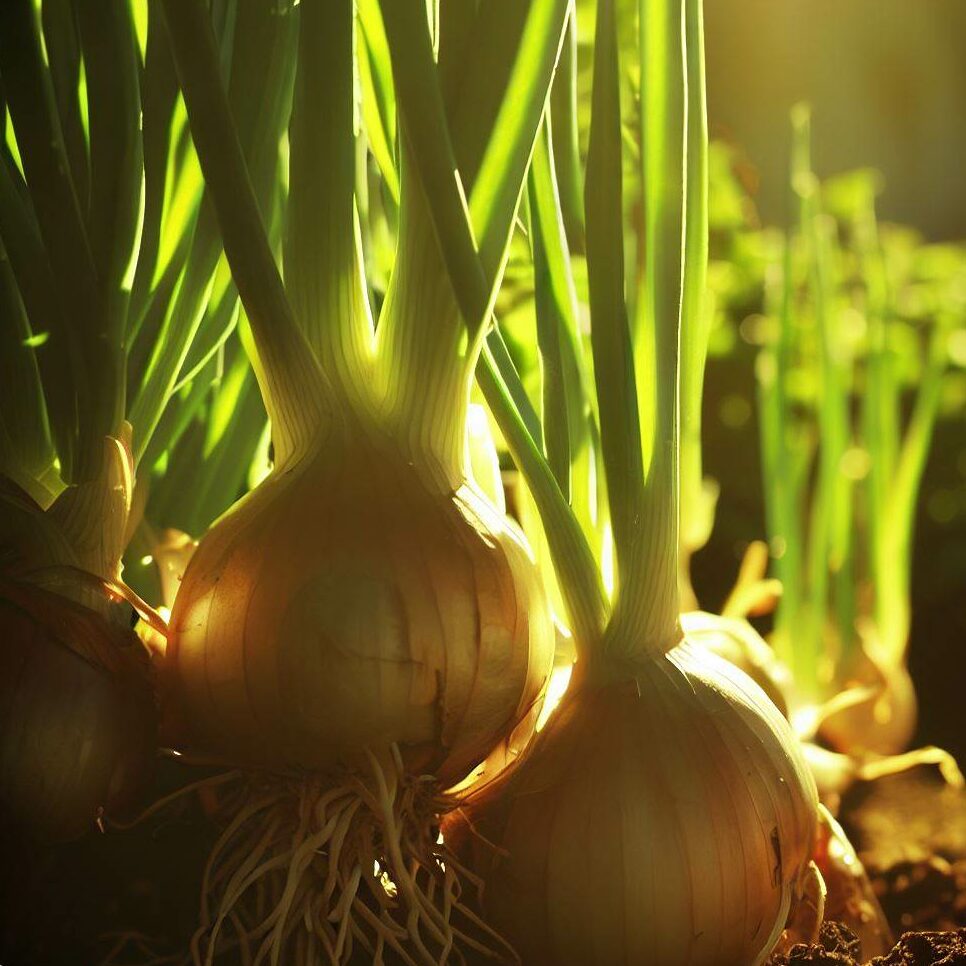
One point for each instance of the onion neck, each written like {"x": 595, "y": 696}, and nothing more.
{"x": 424, "y": 353}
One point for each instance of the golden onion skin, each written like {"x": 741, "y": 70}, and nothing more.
{"x": 738, "y": 642}
{"x": 343, "y": 605}
{"x": 78, "y": 721}
{"x": 664, "y": 818}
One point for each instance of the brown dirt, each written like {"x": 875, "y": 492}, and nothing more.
{"x": 837, "y": 946}
{"x": 909, "y": 831}
{"x": 927, "y": 949}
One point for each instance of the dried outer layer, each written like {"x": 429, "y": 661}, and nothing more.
{"x": 666, "y": 817}
{"x": 344, "y": 604}
{"x": 77, "y": 713}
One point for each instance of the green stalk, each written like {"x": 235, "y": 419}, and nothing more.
{"x": 259, "y": 95}
{"x": 892, "y": 587}
{"x": 29, "y": 453}
{"x": 224, "y": 440}
{"x": 654, "y": 572}
{"x": 421, "y": 324}
{"x": 424, "y": 126}
{"x": 322, "y": 261}
{"x": 574, "y": 562}
{"x": 780, "y": 481}
{"x": 566, "y": 137}
{"x": 64, "y": 59}
{"x": 59, "y": 359}
{"x": 182, "y": 409}
{"x": 220, "y": 322}
{"x": 695, "y": 308}
{"x": 378, "y": 99}
{"x": 185, "y": 310}
{"x": 497, "y": 184}
{"x": 424, "y": 353}
{"x": 115, "y": 211}
{"x": 566, "y": 398}
{"x": 47, "y": 170}
{"x": 830, "y": 548}
{"x": 880, "y": 417}
{"x": 610, "y": 332}
{"x": 296, "y": 393}
{"x": 500, "y": 356}
{"x": 556, "y": 430}
{"x": 896, "y": 466}
{"x": 159, "y": 95}
{"x": 835, "y": 430}
{"x": 810, "y": 637}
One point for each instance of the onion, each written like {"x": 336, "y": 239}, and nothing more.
{"x": 665, "y": 812}
{"x": 365, "y": 627}
{"x": 357, "y": 642}
{"x": 344, "y": 606}
{"x": 77, "y": 713}
{"x": 660, "y": 817}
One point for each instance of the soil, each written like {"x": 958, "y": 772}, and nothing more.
{"x": 937, "y": 948}
{"x": 909, "y": 831}
{"x": 838, "y": 946}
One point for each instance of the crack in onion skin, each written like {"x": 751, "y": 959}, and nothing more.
{"x": 346, "y": 603}
{"x": 78, "y": 721}
{"x": 664, "y": 816}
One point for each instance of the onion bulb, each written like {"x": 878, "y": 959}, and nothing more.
{"x": 77, "y": 714}
{"x": 664, "y": 815}
{"x": 356, "y": 642}
{"x": 77, "y": 708}
{"x": 344, "y": 606}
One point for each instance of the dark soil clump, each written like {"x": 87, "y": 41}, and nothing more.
{"x": 837, "y": 946}
{"x": 910, "y": 834}
{"x": 927, "y": 949}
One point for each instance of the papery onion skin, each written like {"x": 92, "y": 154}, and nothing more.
{"x": 665, "y": 817}
{"x": 78, "y": 720}
{"x": 343, "y": 605}
{"x": 738, "y": 642}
